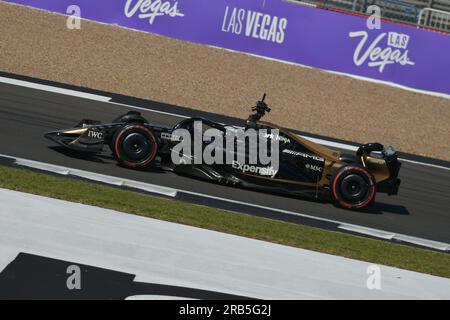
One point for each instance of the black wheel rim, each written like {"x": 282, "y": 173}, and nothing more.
{"x": 136, "y": 146}
{"x": 354, "y": 188}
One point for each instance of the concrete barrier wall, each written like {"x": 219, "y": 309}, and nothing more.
{"x": 286, "y": 31}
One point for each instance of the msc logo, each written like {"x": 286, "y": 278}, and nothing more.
{"x": 95, "y": 134}
{"x": 313, "y": 167}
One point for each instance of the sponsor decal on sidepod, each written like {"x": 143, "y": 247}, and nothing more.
{"x": 262, "y": 171}
{"x": 304, "y": 155}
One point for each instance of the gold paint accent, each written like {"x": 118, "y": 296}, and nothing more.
{"x": 377, "y": 167}
{"x": 76, "y": 131}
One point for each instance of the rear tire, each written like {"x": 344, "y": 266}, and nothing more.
{"x": 353, "y": 187}
{"x": 135, "y": 146}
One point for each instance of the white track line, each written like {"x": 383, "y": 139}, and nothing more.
{"x": 149, "y": 110}
{"x": 172, "y": 192}
{"x": 353, "y": 148}
{"x": 104, "y": 99}
{"x": 47, "y": 88}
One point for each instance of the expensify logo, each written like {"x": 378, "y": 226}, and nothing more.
{"x": 377, "y": 56}
{"x": 150, "y": 9}
{"x": 254, "y": 24}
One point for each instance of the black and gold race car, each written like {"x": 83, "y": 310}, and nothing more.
{"x": 304, "y": 168}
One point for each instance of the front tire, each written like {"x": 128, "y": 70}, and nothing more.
{"x": 353, "y": 187}
{"x": 135, "y": 146}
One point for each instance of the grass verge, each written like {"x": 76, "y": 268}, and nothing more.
{"x": 300, "y": 236}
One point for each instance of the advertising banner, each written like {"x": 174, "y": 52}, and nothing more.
{"x": 286, "y": 31}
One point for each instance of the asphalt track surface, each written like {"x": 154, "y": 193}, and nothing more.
{"x": 422, "y": 208}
